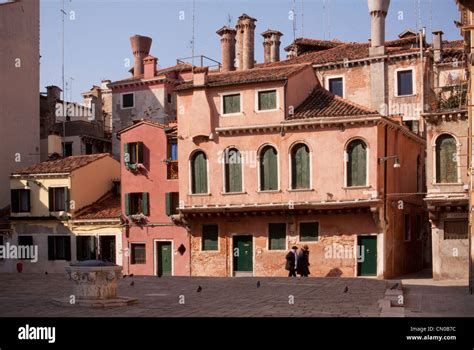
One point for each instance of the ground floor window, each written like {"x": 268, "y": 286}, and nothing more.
{"x": 138, "y": 253}
{"x": 209, "y": 237}
{"x": 309, "y": 231}
{"x": 277, "y": 236}
{"x": 456, "y": 229}
{"x": 59, "y": 248}
{"x": 96, "y": 248}
{"x": 25, "y": 241}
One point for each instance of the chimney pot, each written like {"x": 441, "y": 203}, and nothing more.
{"x": 227, "y": 35}
{"x": 378, "y": 12}
{"x": 141, "y": 49}
{"x": 149, "y": 67}
{"x": 437, "y": 45}
{"x": 200, "y": 76}
{"x": 245, "y": 42}
{"x": 271, "y": 45}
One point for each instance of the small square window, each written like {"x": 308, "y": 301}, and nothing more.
{"x": 128, "y": 100}
{"x": 336, "y": 86}
{"x": 20, "y": 201}
{"x": 277, "y": 236}
{"x": 231, "y": 104}
{"x": 67, "y": 149}
{"x": 309, "y": 231}
{"x": 209, "y": 237}
{"x": 405, "y": 82}
{"x": 138, "y": 254}
{"x": 267, "y": 100}
{"x": 58, "y": 198}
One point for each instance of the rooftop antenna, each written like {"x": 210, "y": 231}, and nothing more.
{"x": 63, "y": 14}
{"x": 193, "y": 38}
{"x": 302, "y": 18}
{"x": 294, "y": 20}
{"x": 229, "y": 20}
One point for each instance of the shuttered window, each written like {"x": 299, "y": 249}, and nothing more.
{"x": 137, "y": 203}
{"x": 20, "y": 201}
{"x": 268, "y": 169}
{"x": 277, "y": 236}
{"x": 138, "y": 253}
{"x": 309, "y": 231}
{"x": 405, "y": 82}
{"x": 59, "y": 248}
{"x": 356, "y": 164}
{"x": 58, "y": 199}
{"x": 233, "y": 170}
{"x": 231, "y": 104}
{"x": 456, "y": 229}
{"x": 210, "y": 235}
{"x": 446, "y": 159}
{"x": 199, "y": 173}
{"x": 172, "y": 203}
{"x": 133, "y": 153}
{"x": 267, "y": 100}
{"x": 300, "y": 172}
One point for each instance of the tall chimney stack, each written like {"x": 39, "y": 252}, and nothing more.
{"x": 140, "y": 48}
{"x": 245, "y": 42}
{"x": 437, "y": 45}
{"x": 271, "y": 45}
{"x": 378, "y": 12}
{"x": 227, "y": 35}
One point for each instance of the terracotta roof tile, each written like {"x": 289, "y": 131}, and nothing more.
{"x": 63, "y": 165}
{"x": 160, "y": 74}
{"x": 107, "y": 207}
{"x": 254, "y": 75}
{"x": 323, "y": 104}
{"x": 313, "y": 44}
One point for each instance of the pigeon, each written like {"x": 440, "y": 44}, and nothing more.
{"x": 132, "y": 283}
{"x": 258, "y": 284}
{"x": 46, "y": 272}
{"x": 199, "y": 289}
{"x": 346, "y": 289}
{"x": 131, "y": 275}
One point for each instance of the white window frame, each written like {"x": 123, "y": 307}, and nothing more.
{"x": 413, "y": 80}
{"x": 218, "y": 250}
{"x": 346, "y": 159}
{"x": 309, "y": 221}
{"x": 221, "y": 96}
{"x": 330, "y": 77}
{"x": 155, "y": 255}
{"x": 121, "y": 100}
{"x": 277, "y": 101}
{"x": 61, "y": 212}
{"x": 286, "y": 236}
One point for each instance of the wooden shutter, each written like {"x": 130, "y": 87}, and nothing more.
{"x": 210, "y": 235}
{"x": 51, "y": 199}
{"x": 199, "y": 173}
{"x": 140, "y": 152}
{"x": 277, "y": 236}
{"x": 145, "y": 203}
{"x": 233, "y": 167}
{"x": 127, "y": 204}
{"x": 15, "y": 201}
{"x": 169, "y": 203}
{"x": 126, "y": 154}
{"x": 309, "y": 231}
{"x": 269, "y": 169}
{"x": 300, "y": 167}
{"x": 357, "y": 164}
{"x": 266, "y": 100}
{"x": 51, "y": 248}
{"x": 446, "y": 159}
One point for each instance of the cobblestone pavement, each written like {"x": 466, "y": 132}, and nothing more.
{"x": 30, "y": 295}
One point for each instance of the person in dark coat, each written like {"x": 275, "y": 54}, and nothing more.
{"x": 303, "y": 262}
{"x": 291, "y": 261}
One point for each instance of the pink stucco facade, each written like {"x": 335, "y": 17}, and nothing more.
{"x": 158, "y": 227}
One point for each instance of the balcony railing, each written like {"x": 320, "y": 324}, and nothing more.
{"x": 451, "y": 97}
{"x": 173, "y": 169}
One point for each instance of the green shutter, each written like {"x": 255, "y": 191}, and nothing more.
{"x": 446, "y": 159}
{"x": 210, "y": 235}
{"x": 277, "y": 236}
{"x": 199, "y": 168}
{"x": 145, "y": 204}
{"x": 266, "y": 100}
{"x": 233, "y": 171}
{"x": 309, "y": 231}
{"x": 357, "y": 164}
{"x": 15, "y": 202}
{"x": 269, "y": 169}
{"x": 140, "y": 152}
{"x": 127, "y": 204}
{"x": 126, "y": 154}
{"x": 300, "y": 172}
{"x": 51, "y": 253}
{"x": 169, "y": 203}
{"x": 51, "y": 199}
{"x": 231, "y": 104}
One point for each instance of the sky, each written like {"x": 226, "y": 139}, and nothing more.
{"x": 97, "y": 32}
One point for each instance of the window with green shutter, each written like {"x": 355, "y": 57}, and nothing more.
{"x": 300, "y": 171}
{"x": 231, "y": 104}
{"x": 268, "y": 169}
{"x": 210, "y": 236}
{"x": 233, "y": 170}
{"x": 171, "y": 203}
{"x": 277, "y": 236}
{"x": 137, "y": 203}
{"x": 446, "y": 159}
{"x": 356, "y": 164}
{"x": 267, "y": 100}
{"x": 309, "y": 231}
{"x": 133, "y": 154}
{"x": 199, "y": 173}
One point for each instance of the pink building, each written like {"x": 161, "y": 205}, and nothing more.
{"x": 149, "y": 189}
{"x": 270, "y": 159}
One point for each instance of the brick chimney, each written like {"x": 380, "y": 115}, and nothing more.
{"x": 149, "y": 67}
{"x": 245, "y": 44}
{"x": 271, "y": 45}
{"x": 53, "y": 93}
{"x": 140, "y": 48}
{"x": 200, "y": 76}
{"x": 378, "y": 12}
{"x": 227, "y": 35}
{"x": 437, "y": 45}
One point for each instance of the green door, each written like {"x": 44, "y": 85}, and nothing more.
{"x": 243, "y": 254}
{"x": 368, "y": 265}
{"x": 164, "y": 258}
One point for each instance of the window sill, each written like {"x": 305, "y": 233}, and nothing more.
{"x": 448, "y": 184}
{"x": 267, "y": 110}
{"x": 301, "y": 190}
{"x": 276, "y": 250}
{"x": 210, "y": 251}
{"x": 232, "y": 193}
{"x": 269, "y": 191}
{"x": 357, "y": 187}
{"x": 401, "y": 96}
{"x": 199, "y": 194}
{"x": 240, "y": 114}
{"x": 121, "y": 107}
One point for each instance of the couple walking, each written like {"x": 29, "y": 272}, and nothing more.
{"x": 298, "y": 262}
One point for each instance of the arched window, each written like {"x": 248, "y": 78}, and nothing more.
{"x": 300, "y": 171}
{"x": 446, "y": 159}
{"x": 268, "y": 169}
{"x": 233, "y": 170}
{"x": 356, "y": 163}
{"x": 199, "y": 173}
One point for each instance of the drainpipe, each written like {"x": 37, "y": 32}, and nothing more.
{"x": 421, "y": 128}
